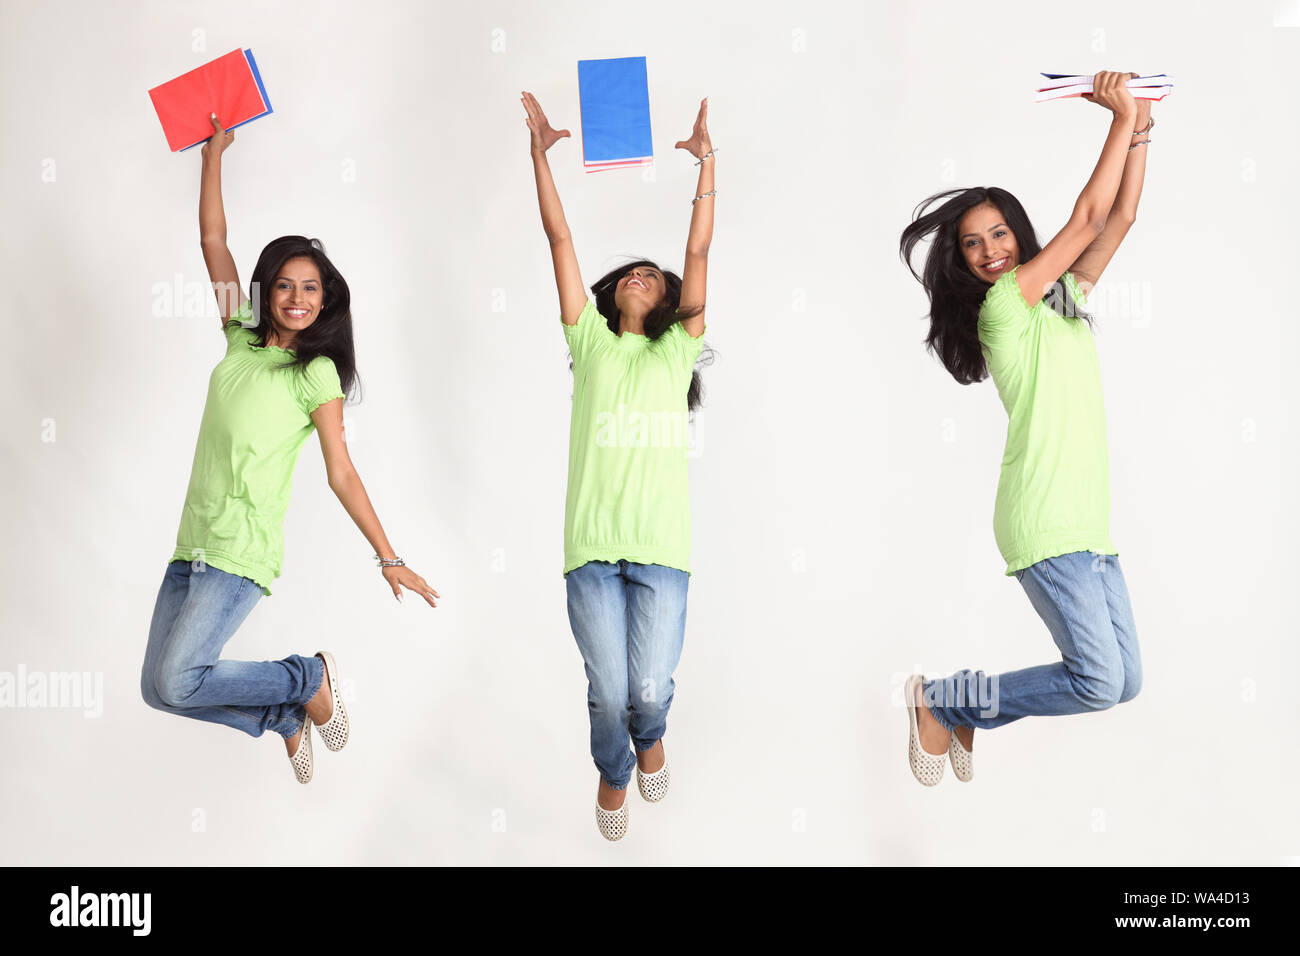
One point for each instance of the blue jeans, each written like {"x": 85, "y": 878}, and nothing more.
{"x": 197, "y": 611}
{"x": 629, "y": 621}
{"x": 1082, "y": 599}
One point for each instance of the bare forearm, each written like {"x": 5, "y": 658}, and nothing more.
{"x": 352, "y": 495}
{"x": 212, "y": 213}
{"x": 1098, "y": 196}
{"x": 701, "y": 234}
{"x": 1130, "y": 186}
{"x": 548, "y": 200}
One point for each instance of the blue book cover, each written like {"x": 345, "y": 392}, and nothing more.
{"x": 614, "y": 97}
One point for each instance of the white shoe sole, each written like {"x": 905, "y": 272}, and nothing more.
{"x": 303, "y": 765}
{"x": 334, "y": 732}
{"x": 926, "y": 767}
{"x": 963, "y": 766}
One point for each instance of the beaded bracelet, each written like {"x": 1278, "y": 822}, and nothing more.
{"x": 711, "y": 192}
{"x": 386, "y": 563}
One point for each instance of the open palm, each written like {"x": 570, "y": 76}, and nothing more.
{"x": 543, "y": 136}
{"x": 699, "y": 143}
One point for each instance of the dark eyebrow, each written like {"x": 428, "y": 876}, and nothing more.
{"x": 991, "y": 228}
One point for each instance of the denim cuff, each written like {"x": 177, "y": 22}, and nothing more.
{"x": 287, "y": 726}
{"x": 317, "y": 665}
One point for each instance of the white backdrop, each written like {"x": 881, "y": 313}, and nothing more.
{"x": 842, "y": 497}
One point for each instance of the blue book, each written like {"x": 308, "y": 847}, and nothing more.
{"x": 614, "y": 98}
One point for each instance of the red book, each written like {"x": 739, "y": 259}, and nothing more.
{"x": 229, "y": 86}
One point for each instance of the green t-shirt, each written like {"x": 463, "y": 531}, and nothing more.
{"x": 628, "y": 496}
{"x": 256, "y": 418}
{"x": 1054, "y": 491}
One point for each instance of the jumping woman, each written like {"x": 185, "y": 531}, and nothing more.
{"x": 627, "y": 524}
{"x": 289, "y": 363}
{"x": 1002, "y": 306}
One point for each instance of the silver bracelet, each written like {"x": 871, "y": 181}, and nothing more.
{"x": 711, "y": 192}
{"x": 386, "y": 563}
{"x": 711, "y": 151}
{"x": 1136, "y": 145}
{"x": 1151, "y": 122}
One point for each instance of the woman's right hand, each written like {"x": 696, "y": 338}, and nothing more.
{"x": 543, "y": 137}
{"x": 220, "y": 139}
{"x": 1109, "y": 90}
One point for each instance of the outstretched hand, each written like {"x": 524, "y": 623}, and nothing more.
{"x": 400, "y": 576}
{"x": 220, "y": 139}
{"x": 543, "y": 136}
{"x": 699, "y": 143}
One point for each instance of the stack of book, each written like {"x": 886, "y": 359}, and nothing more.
{"x": 229, "y": 86}
{"x": 614, "y": 98}
{"x": 1059, "y": 86}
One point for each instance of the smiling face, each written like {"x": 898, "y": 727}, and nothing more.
{"x": 296, "y": 296}
{"x": 643, "y": 285}
{"x": 987, "y": 243}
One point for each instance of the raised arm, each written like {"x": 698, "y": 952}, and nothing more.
{"x": 695, "y": 270}
{"x": 212, "y": 226}
{"x": 568, "y": 280}
{"x": 1089, "y": 266}
{"x": 1092, "y": 208}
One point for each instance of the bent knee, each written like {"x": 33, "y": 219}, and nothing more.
{"x": 173, "y": 690}
{"x": 1132, "y": 686}
{"x": 149, "y": 691}
{"x": 1100, "y": 692}
{"x": 610, "y": 699}
{"x": 649, "y": 710}
{"x": 651, "y": 695}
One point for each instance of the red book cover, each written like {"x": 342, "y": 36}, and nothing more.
{"x": 228, "y": 86}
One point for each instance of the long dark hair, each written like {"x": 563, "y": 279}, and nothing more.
{"x": 331, "y": 333}
{"x": 955, "y": 292}
{"x": 658, "y": 320}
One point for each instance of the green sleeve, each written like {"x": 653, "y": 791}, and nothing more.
{"x": 1004, "y": 314}
{"x": 317, "y": 384}
{"x": 582, "y": 334}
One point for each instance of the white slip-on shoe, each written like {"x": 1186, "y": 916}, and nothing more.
{"x": 612, "y": 824}
{"x": 335, "y": 730}
{"x": 926, "y": 767}
{"x": 301, "y": 759}
{"x": 653, "y": 786}
{"x": 963, "y": 767}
